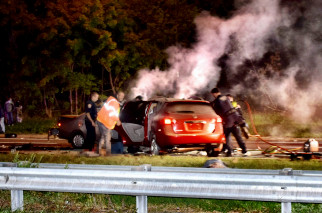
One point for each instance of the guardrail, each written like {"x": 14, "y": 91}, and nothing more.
{"x": 285, "y": 186}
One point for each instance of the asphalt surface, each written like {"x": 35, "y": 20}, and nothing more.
{"x": 41, "y": 143}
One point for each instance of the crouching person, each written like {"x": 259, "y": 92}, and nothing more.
{"x": 107, "y": 117}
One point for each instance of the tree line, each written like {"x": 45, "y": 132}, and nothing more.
{"x": 53, "y": 53}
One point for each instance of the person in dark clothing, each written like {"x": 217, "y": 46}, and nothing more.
{"x": 243, "y": 125}
{"x": 231, "y": 119}
{"x": 90, "y": 120}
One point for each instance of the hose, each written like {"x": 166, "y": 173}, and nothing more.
{"x": 258, "y": 136}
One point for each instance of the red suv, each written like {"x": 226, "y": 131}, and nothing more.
{"x": 166, "y": 125}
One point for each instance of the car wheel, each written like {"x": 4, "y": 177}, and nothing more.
{"x": 155, "y": 149}
{"x": 211, "y": 152}
{"x": 78, "y": 141}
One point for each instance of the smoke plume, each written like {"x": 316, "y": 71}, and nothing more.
{"x": 290, "y": 81}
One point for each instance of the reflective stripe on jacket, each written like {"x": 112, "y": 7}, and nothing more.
{"x": 109, "y": 113}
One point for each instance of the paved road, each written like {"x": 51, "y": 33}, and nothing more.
{"x": 41, "y": 142}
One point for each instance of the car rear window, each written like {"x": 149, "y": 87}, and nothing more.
{"x": 189, "y": 107}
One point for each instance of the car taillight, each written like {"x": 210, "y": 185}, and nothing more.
{"x": 59, "y": 124}
{"x": 167, "y": 121}
{"x": 219, "y": 120}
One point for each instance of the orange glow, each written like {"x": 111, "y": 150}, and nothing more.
{"x": 59, "y": 124}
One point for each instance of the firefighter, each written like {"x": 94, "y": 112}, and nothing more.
{"x": 230, "y": 117}
{"x": 243, "y": 125}
{"x": 90, "y": 119}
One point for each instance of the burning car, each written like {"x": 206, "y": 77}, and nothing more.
{"x": 167, "y": 125}
{"x": 158, "y": 125}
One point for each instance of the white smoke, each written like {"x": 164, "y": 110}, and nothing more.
{"x": 243, "y": 37}
{"x": 298, "y": 90}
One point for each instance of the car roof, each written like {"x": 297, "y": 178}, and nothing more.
{"x": 71, "y": 116}
{"x": 164, "y": 99}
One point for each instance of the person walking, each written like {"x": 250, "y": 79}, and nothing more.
{"x": 230, "y": 117}
{"x": 90, "y": 120}
{"x": 3, "y": 127}
{"x": 9, "y": 107}
{"x": 107, "y": 117}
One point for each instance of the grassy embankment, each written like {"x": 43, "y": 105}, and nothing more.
{"x": 70, "y": 202}
{"x": 267, "y": 124}
{"x": 32, "y": 126}
{"x": 278, "y": 124}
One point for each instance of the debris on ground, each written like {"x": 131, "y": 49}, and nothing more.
{"x": 215, "y": 163}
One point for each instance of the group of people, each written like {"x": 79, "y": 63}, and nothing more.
{"x": 233, "y": 121}
{"x": 10, "y": 112}
{"x": 105, "y": 116}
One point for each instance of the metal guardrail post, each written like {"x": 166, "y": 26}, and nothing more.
{"x": 142, "y": 204}
{"x": 16, "y": 200}
{"x": 287, "y": 207}
{"x": 16, "y": 195}
{"x": 142, "y": 200}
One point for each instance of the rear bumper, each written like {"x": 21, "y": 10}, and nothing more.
{"x": 176, "y": 140}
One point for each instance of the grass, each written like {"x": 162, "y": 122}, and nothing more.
{"x": 75, "y": 202}
{"x": 32, "y": 126}
{"x": 166, "y": 160}
{"x": 279, "y": 124}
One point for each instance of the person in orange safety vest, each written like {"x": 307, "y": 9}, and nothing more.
{"x": 107, "y": 118}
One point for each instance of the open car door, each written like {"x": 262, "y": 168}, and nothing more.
{"x": 132, "y": 117}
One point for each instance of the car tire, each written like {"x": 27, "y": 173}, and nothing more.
{"x": 78, "y": 141}
{"x": 211, "y": 152}
{"x": 154, "y": 147}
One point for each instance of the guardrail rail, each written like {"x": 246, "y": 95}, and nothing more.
{"x": 285, "y": 186}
